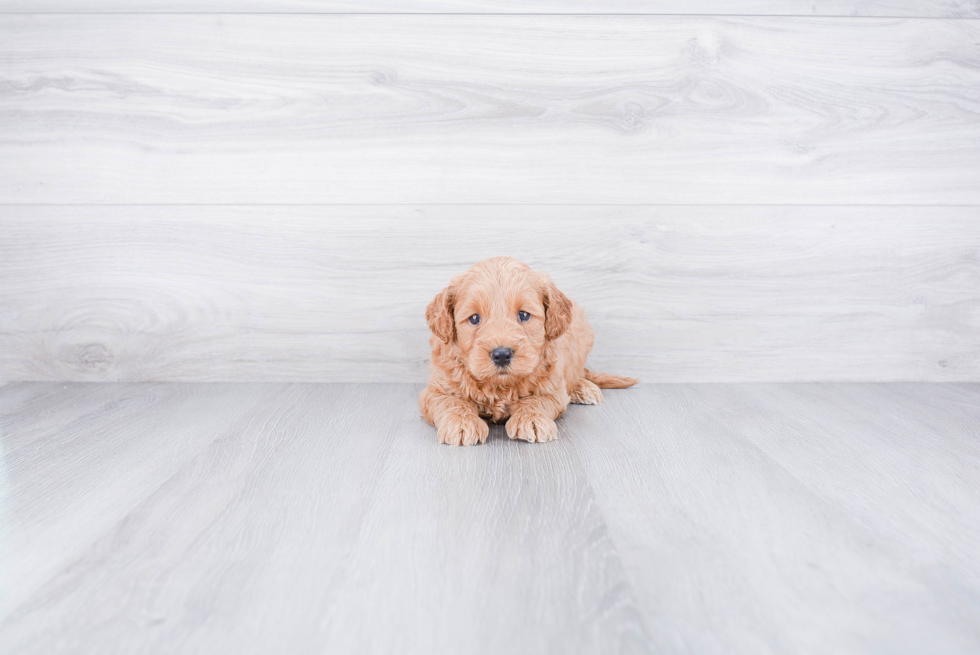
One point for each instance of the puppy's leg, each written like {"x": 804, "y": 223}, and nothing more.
{"x": 586, "y": 393}
{"x": 533, "y": 418}
{"x": 457, "y": 421}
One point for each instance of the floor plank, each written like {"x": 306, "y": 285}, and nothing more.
{"x": 775, "y": 518}
{"x": 256, "y": 511}
{"x": 308, "y": 498}
{"x": 924, "y": 481}
{"x": 83, "y": 474}
{"x": 191, "y": 109}
{"x": 330, "y": 294}
{"x": 672, "y": 518}
{"x": 491, "y": 550}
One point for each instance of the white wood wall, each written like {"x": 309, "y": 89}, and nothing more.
{"x": 770, "y": 190}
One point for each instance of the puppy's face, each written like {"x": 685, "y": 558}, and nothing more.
{"x": 500, "y": 314}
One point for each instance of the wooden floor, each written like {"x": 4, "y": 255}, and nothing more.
{"x": 295, "y": 518}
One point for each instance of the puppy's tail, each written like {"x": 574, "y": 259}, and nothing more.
{"x": 606, "y": 381}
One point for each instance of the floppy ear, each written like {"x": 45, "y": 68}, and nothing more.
{"x": 557, "y": 311}
{"x": 439, "y": 315}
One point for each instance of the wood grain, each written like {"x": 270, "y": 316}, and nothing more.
{"x": 880, "y": 8}
{"x": 338, "y": 293}
{"x": 188, "y": 518}
{"x": 317, "y": 518}
{"x": 497, "y": 549}
{"x": 488, "y": 109}
{"x": 78, "y": 467}
{"x": 793, "y": 518}
{"x": 240, "y": 499}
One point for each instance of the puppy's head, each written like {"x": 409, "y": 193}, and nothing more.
{"x": 500, "y": 314}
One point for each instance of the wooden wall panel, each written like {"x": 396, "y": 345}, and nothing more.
{"x": 315, "y": 293}
{"x": 240, "y": 109}
{"x": 923, "y": 8}
{"x": 273, "y": 197}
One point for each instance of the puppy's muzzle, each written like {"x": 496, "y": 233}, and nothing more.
{"x": 501, "y": 356}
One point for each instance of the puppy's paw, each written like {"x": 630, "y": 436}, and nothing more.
{"x": 531, "y": 426}
{"x": 463, "y": 430}
{"x": 586, "y": 393}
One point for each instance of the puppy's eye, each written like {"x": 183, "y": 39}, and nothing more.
{"x": 475, "y": 319}
{"x": 523, "y": 316}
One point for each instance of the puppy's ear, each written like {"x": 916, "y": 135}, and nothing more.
{"x": 557, "y": 311}
{"x": 439, "y": 314}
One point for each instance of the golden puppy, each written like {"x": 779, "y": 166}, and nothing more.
{"x": 507, "y": 344}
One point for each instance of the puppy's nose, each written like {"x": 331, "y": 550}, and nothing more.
{"x": 501, "y": 356}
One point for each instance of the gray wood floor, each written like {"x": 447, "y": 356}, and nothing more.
{"x": 325, "y": 518}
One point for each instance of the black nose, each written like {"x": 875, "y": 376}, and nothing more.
{"x": 501, "y": 356}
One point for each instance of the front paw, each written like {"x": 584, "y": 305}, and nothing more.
{"x": 463, "y": 430}
{"x": 531, "y": 426}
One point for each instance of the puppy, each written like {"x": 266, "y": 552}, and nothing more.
{"x": 507, "y": 345}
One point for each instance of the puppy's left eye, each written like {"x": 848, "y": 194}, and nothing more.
{"x": 523, "y": 316}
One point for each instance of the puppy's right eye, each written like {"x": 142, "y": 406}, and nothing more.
{"x": 475, "y": 319}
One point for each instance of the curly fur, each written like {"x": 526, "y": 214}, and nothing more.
{"x": 547, "y": 371}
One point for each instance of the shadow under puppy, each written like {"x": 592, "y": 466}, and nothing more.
{"x": 507, "y": 345}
